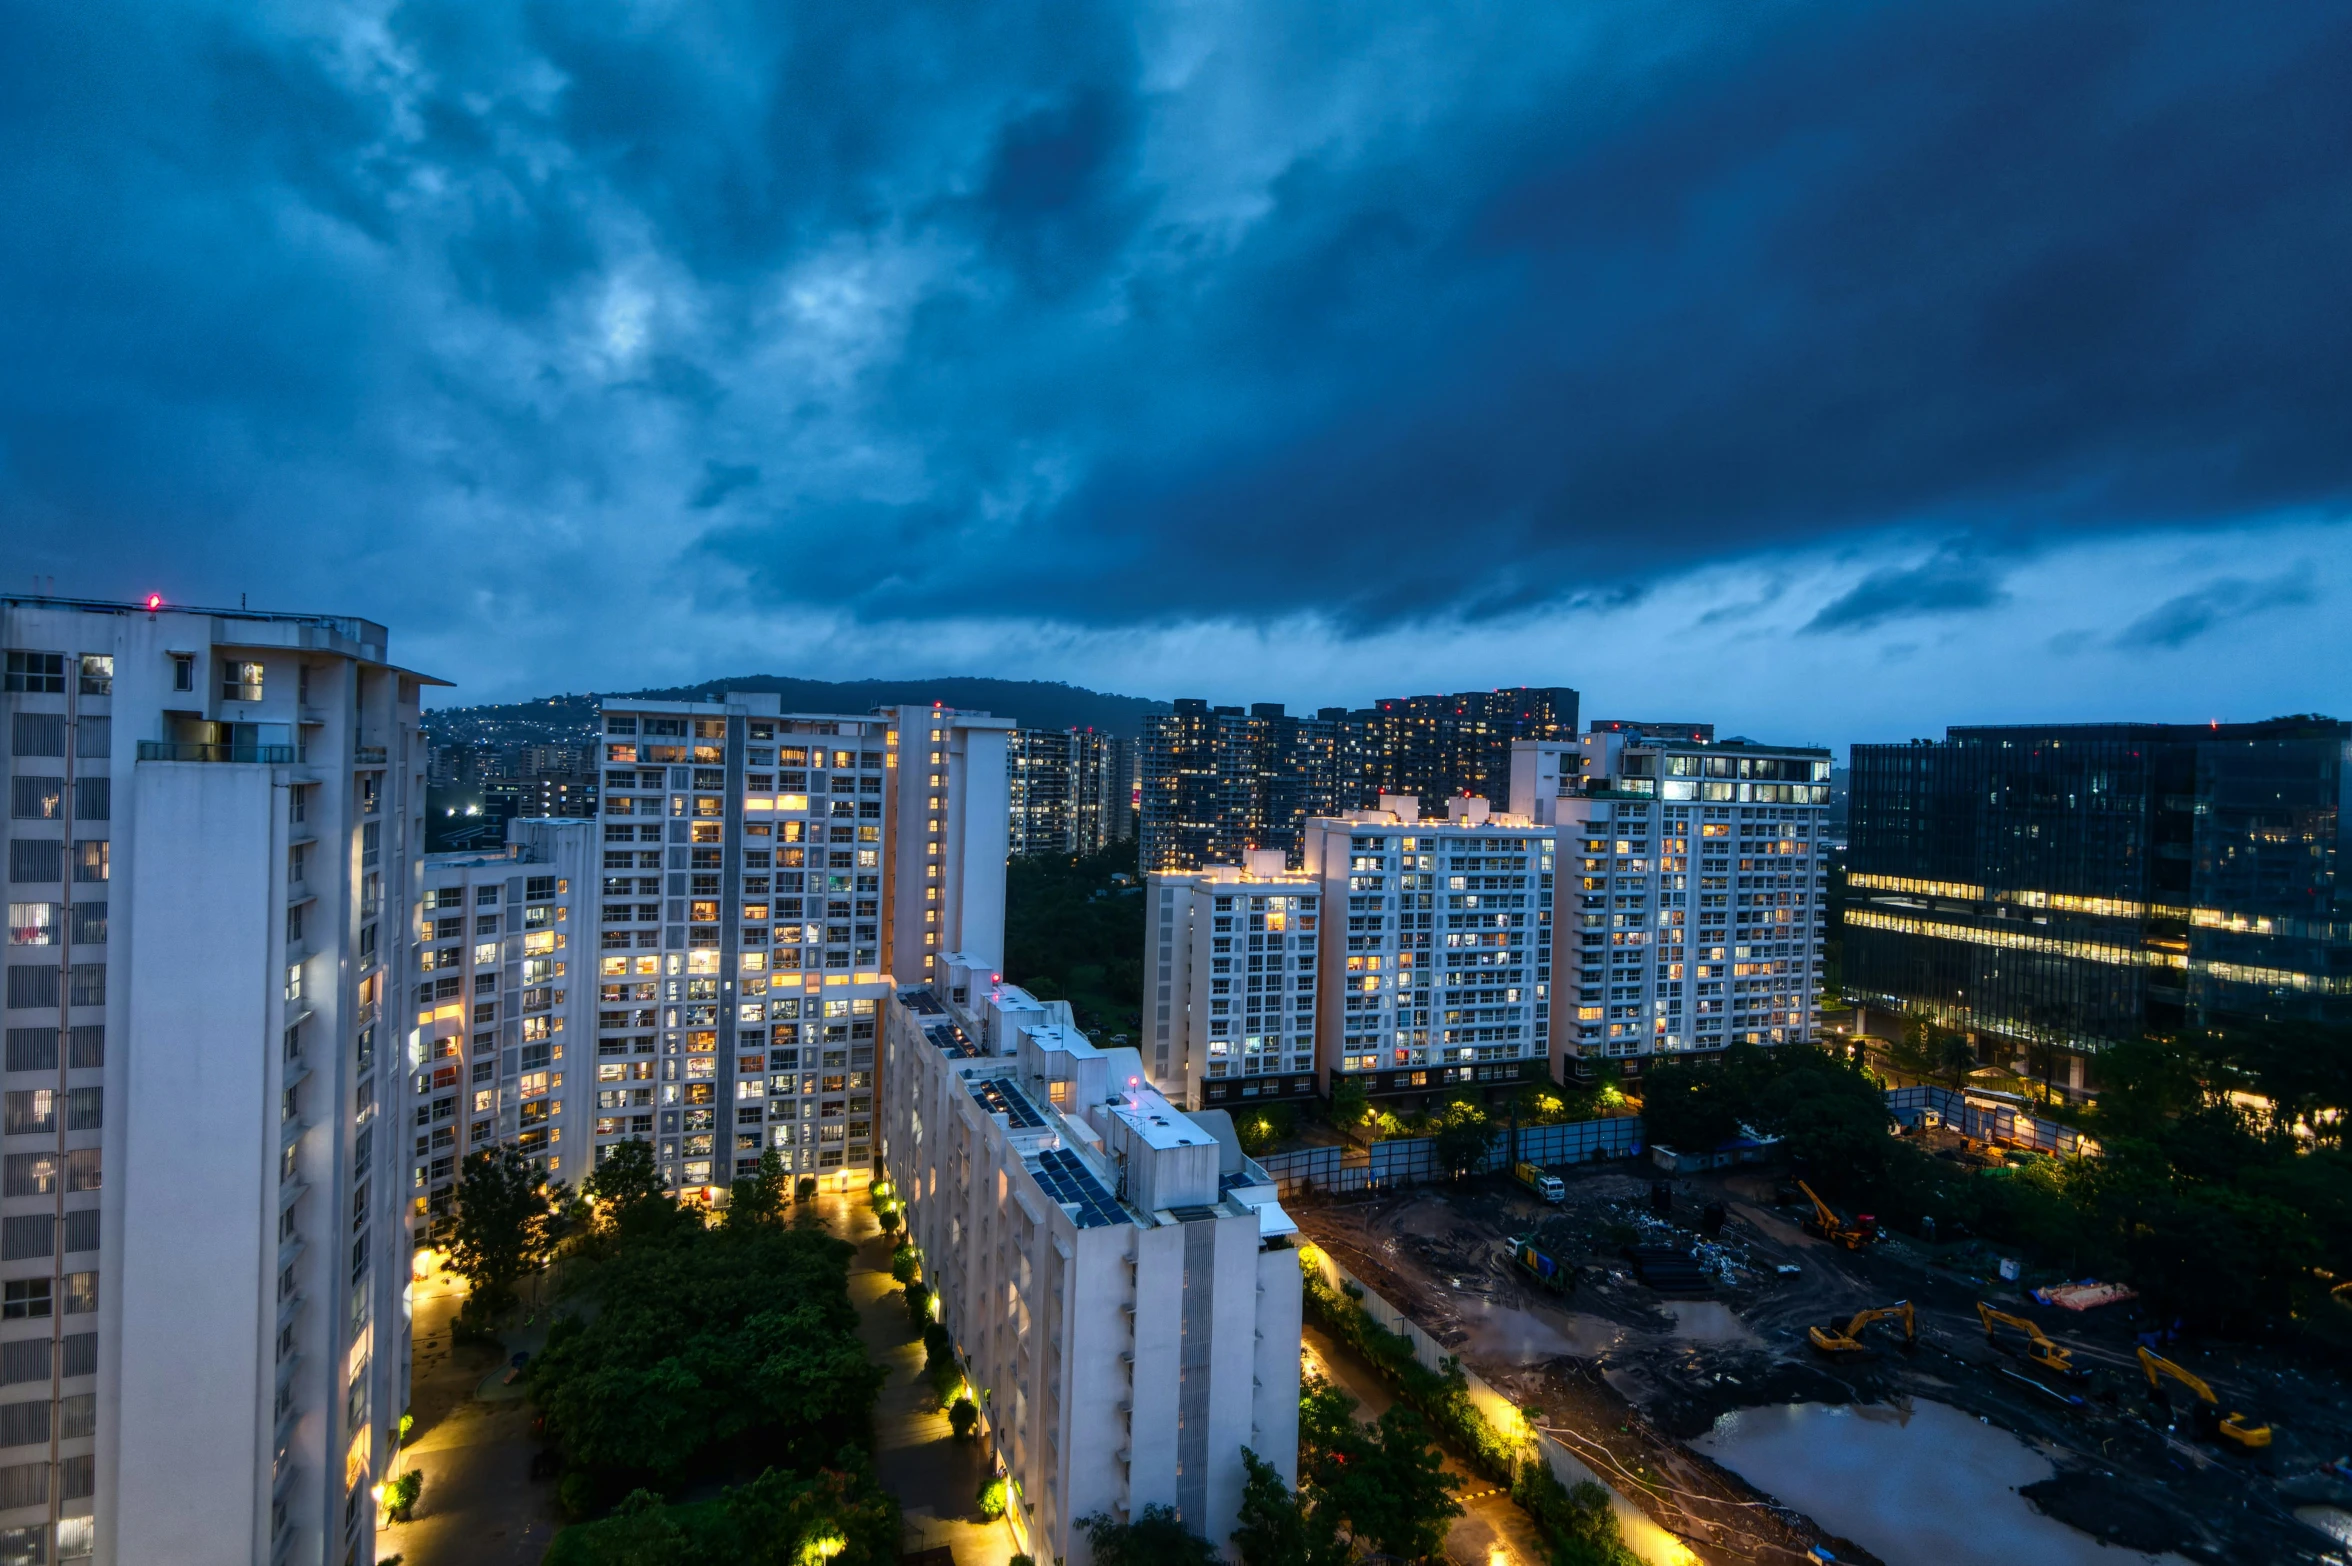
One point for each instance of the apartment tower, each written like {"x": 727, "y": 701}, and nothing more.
{"x": 506, "y": 950}
{"x": 1690, "y": 902}
{"x": 762, "y": 875}
{"x": 1436, "y": 955}
{"x": 212, "y": 854}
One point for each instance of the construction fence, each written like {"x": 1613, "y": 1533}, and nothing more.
{"x": 1402, "y": 1161}
{"x": 1989, "y": 1120}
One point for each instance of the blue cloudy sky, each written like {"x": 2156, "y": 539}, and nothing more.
{"x": 1831, "y": 371}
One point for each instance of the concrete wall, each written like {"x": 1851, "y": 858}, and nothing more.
{"x": 200, "y": 1134}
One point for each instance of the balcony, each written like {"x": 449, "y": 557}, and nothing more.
{"x": 232, "y": 751}
{"x": 371, "y": 755}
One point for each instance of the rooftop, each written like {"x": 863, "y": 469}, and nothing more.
{"x": 1160, "y": 1123}
{"x": 999, "y": 1096}
{"x": 1068, "y": 1181}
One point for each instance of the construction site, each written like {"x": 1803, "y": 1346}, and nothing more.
{"x": 1768, "y": 1378}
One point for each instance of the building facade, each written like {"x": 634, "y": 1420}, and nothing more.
{"x": 1440, "y": 747}
{"x": 1231, "y": 954}
{"x": 1116, "y": 1274}
{"x": 1436, "y": 950}
{"x": 212, "y": 845}
{"x": 2078, "y": 885}
{"x": 1217, "y": 782}
{"x": 505, "y": 989}
{"x": 948, "y": 848}
{"x": 762, "y": 873}
{"x": 1690, "y": 901}
{"x": 1067, "y": 791}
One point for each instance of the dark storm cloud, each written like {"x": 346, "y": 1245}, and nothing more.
{"x": 1950, "y": 582}
{"x": 1143, "y": 314}
{"x": 2178, "y": 621}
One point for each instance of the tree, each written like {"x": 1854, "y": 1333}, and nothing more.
{"x": 1350, "y": 1107}
{"x": 759, "y": 1198}
{"x": 1386, "y": 1483}
{"x": 1407, "y": 1499}
{"x": 1263, "y": 1128}
{"x": 499, "y": 1235}
{"x": 1279, "y": 1526}
{"x": 906, "y": 1263}
{"x": 840, "y": 1514}
{"x": 1465, "y": 1133}
{"x": 1832, "y": 1121}
{"x": 627, "y": 1190}
{"x": 1155, "y": 1538}
{"x": 700, "y": 1342}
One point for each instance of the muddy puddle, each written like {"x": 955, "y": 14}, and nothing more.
{"x": 2336, "y": 1524}
{"x": 1709, "y": 1321}
{"x": 1529, "y": 1336}
{"x": 1916, "y": 1484}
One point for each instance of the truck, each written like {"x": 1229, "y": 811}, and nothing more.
{"x": 1548, "y": 1271}
{"x": 1548, "y": 1186}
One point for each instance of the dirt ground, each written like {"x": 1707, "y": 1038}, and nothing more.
{"x": 1625, "y": 1377}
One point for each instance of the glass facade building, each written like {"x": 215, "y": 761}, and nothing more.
{"x": 2077, "y": 885}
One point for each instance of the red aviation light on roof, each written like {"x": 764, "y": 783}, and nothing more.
{"x": 154, "y": 602}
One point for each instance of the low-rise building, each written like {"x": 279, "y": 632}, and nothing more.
{"x": 1118, "y": 1277}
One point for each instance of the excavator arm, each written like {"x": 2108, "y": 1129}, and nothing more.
{"x": 2040, "y": 1352}
{"x": 1826, "y": 1223}
{"x": 1832, "y": 1341}
{"x": 2236, "y": 1428}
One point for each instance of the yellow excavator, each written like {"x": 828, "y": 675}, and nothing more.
{"x": 2040, "y": 1352}
{"x": 2235, "y": 1428}
{"x": 1826, "y": 1223}
{"x": 1832, "y": 1341}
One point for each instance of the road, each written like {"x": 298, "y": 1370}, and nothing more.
{"x": 480, "y": 1506}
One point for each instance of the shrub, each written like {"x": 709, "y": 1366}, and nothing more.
{"x": 992, "y": 1494}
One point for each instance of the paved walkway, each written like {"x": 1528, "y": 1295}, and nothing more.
{"x": 935, "y": 1477}
{"x": 1492, "y": 1530}
{"x": 480, "y": 1504}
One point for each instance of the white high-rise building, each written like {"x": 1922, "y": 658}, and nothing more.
{"x": 213, "y": 835}
{"x": 950, "y": 814}
{"x": 1115, "y": 1272}
{"x": 505, "y": 989}
{"x": 762, "y": 873}
{"x": 1437, "y": 946}
{"x": 1230, "y": 955}
{"x": 1690, "y": 906}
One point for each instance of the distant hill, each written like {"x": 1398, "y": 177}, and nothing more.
{"x": 1033, "y": 704}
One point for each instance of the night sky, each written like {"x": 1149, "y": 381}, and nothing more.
{"x": 1831, "y": 372}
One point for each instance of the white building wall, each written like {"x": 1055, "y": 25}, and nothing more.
{"x": 1689, "y": 894}
{"x": 1437, "y": 945}
{"x": 1129, "y": 1360}
{"x": 952, "y": 834}
{"x": 199, "y": 1243}
{"x": 1231, "y": 1001}
{"x": 250, "y": 1103}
